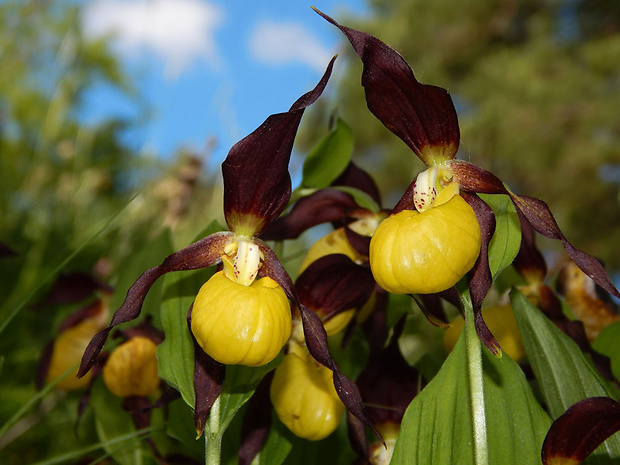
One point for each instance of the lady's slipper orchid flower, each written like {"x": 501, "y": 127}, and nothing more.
{"x": 424, "y": 117}
{"x": 257, "y": 187}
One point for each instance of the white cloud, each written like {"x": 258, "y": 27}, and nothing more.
{"x": 177, "y": 31}
{"x": 286, "y": 42}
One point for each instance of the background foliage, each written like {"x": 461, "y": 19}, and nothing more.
{"x": 536, "y": 84}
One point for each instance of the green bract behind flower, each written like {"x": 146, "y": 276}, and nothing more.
{"x": 241, "y": 325}
{"x": 428, "y": 252}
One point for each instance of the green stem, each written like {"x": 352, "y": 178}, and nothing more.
{"x": 213, "y": 438}
{"x": 476, "y": 384}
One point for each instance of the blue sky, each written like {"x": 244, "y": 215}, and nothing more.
{"x": 212, "y": 68}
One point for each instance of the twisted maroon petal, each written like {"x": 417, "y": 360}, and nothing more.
{"x": 201, "y": 254}
{"x": 316, "y": 338}
{"x": 537, "y": 213}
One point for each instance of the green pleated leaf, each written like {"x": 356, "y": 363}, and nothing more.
{"x": 506, "y": 241}
{"x": 328, "y": 159}
{"x": 564, "y": 374}
{"x": 437, "y": 426}
{"x": 175, "y": 356}
{"x": 608, "y": 343}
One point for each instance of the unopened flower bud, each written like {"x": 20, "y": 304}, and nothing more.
{"x": 304, "y": 397}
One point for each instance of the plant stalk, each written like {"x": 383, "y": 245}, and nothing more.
{"x": 476, "y": 385}
{"x": 213, "y": 438}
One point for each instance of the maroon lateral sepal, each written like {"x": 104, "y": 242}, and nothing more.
{"x": 334, "y": 283}
{"x": 356, "y": 432}
{"x": 423, "y": 116}
{"x": 144, "y": 329}
{"x": 208, "y": 381}
{"x": 431, "y": 307}
{"x": 529, "y": 262}
{"x": 256, "y": 422}
{"x": 91, "y": 310}
{"x": 316, "y": 342}
{"x": 580, "y": 430}
{"x": 316, "y": 337}
{"x": 472, "y": 178}
{"x": 375, "y": 326}
{"x": 257, "y": 184}
{"x": 388, "y": 382}
{"x": 206, "y": 252}
{"x": 360, "y": 243}
{"x": 74, "y": 287}
{"x": 406, "y": 201}
{"x": 537, "y": 213}
{"x": 322, "y": 206}
{"x": 480, "y": 278}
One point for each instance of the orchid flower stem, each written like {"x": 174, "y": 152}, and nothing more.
{"x": 476, "y": 384}
{"x": 213, "y": 438}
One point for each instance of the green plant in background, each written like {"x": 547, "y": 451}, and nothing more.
{"x": 259, "y": 355}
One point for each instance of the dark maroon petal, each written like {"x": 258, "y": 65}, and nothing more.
{"x": 360, "y": 243}
{"x": 138, "y": 408}
{"x": 356, "y": 432}
{"x": 334, "y": 283}
{"x": 388, "y": 383}
{"x": 529, "y": 262}
{"x": 201, "y": 254}
{"x": 423, "y": 116}
{"x": 91, "y": 310}
{"x": 257, "y": 184}
{"x": 431, "y": 307}
{"x": 375, "y": 327}
{"x": 74, "y": 287}
{"x": 354, "y": 176}
{"x": 208, "y": 381}
{"x": 406, "y": 201}
{"x": 480, "y": 278}
{"x": 256, "y": 422}
{"x": 273, "y": 268}
{"x": 322, "y": 206}
{"x": 580, "y": 430}
{"x": 472, "y": 178}
{"x": 145, "y": 329}
{"x": 316, "y": 337}
{"x": 316, "y": 341}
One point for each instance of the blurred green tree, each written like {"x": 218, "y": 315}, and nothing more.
{"x": 536, "y": 86}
